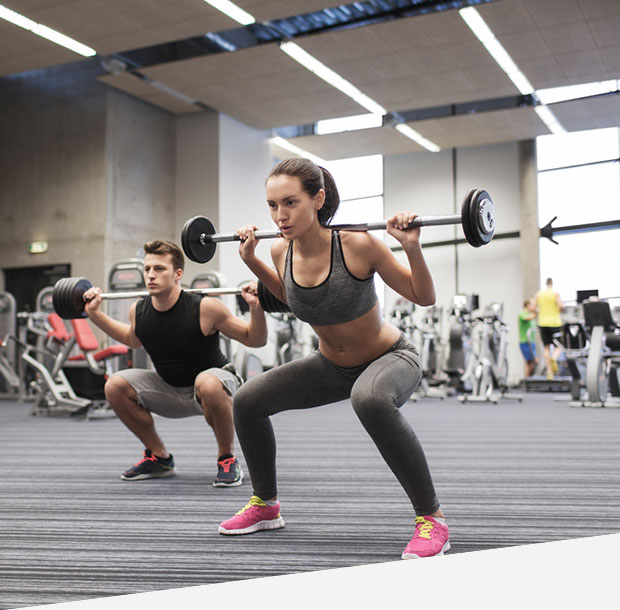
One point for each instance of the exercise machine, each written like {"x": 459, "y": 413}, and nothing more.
{"x": 10, "y": 381}
{"x": 603, "y": 359}
{"x": 487, "y": 370}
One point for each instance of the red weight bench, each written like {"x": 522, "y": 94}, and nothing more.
{"x": 95, "y": 359}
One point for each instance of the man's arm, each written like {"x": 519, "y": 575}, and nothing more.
{"x": 119, "y": 331}
{"x": 253, "y": 333}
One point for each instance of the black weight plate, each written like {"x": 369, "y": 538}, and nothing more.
{"x": 242, "y": 304}
{"x": 60, "y": 300}
{"x": 474, "y": 227}
{"x": 193, "y": 247}
{"x": 484, "y": 224}
{"x": 65, "y": 299}
{"x": 77, "y": 287}
{"x": 57, "y": 300}
{"x": 270, "y": 303}
{"x": 465, "y": 218}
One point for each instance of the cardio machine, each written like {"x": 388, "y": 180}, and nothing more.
{"x": 487, "y": 369}
{"x": 602, "y": 381}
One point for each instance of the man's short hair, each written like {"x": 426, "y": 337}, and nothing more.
{"x": 157, "y": 246}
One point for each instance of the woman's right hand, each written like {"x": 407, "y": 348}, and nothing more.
{"x": 248, "y": 242}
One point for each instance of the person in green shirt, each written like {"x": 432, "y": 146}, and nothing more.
{"x": 527, "y": 341}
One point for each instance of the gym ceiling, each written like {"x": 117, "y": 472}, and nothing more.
{"x": 416, "y": 58}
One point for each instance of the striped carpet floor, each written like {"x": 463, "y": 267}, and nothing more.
{"x": 506, "y": 474}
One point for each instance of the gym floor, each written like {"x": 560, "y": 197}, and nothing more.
{"x": 506, "y": 474}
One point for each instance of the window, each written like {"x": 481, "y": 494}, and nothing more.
{"x": 579, "y": 182}
{"x": 577, "y": 148}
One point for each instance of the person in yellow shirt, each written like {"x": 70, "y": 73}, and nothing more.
{"x": 549, "y": 307}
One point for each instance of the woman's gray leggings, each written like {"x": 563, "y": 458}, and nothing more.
{"x": 377, "y": 391}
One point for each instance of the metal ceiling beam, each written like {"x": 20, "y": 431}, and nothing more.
{"x": 345, "y": 16}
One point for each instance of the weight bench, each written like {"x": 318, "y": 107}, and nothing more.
{"x": 55, "y": 391}
{"x": 97, "y": 360}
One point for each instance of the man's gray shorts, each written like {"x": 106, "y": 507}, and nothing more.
{"x": 155, "y": 395}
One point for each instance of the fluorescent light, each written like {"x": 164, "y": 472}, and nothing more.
{"x": 495, "y": 48}
{"x": 484, "y": 34}
{"x": 233, "y": 11}
{"x": 476, "y": 24}
{"x": 63, "y": 41}
{"x": 16, "y": 18}
{"x": 45, "y": 32}
{"x": 549, "y": 119}
{"x": 282, "y": 143}
{"x": 500, "y": 55}
{"x": 348, "y": 123}
{"x": 412, "y": 134}
{"x": 573, "y": 92}
{"x": 329, "y": 76}
{"x": 521, "y": 82}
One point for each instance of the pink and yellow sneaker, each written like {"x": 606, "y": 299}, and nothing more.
{"x": 254, "y": 516}
{"x": 429, "y": 538}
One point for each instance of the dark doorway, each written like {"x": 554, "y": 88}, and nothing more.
{"x": 25, "y": 283}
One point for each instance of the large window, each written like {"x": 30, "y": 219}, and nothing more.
{"x": 579, "y": 182}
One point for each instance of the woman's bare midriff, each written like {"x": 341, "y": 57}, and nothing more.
{"x": 358, "y": 341}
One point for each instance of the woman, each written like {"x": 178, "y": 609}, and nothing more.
{"x": 326, "y": 277}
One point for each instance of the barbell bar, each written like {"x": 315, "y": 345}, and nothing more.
{"x": 199, "y": 238}
{"x": 68, "y": 296}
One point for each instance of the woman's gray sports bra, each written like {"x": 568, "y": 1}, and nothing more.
{"x": 340, "y": 298}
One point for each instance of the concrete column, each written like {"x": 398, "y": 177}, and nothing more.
{"x": 529, "y": 229}
{"x": 197, "y": 178}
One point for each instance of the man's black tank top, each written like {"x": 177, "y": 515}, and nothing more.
{"x": 174, "y": 340}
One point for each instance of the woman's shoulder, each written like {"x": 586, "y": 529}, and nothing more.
{"x": 358, "y": 239}
{"x": 279, "y": 247}
{"x": 362, "y": 243}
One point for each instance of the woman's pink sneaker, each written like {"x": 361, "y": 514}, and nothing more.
{"x": 430, "y": 538}
{"x": 254, "y": 516}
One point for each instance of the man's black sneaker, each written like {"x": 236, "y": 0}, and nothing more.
{"x": 229, "y": 473}
{"x": 150, "y": 467}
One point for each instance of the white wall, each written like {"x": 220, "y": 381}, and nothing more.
{"x": 244, "y": 162}
{"x": 424, "y": 183}
{"x": 221, "y": 170}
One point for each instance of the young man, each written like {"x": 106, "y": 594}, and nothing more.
{"x": 527, "y": 325}
{"x": 550, "y": 307}
{"x": 180, "y": 332}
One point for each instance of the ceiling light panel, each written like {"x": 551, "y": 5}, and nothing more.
{"x": 558, "y": 42}
{"x": 46, "y": 32}
{"x": 233, "y": 11}
{"x": 412, "y": 63}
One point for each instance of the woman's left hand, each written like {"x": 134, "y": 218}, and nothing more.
{"x": 397, "y": 227}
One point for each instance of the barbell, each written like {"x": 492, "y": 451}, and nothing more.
{"x": 199, "y": 238}
{"x": 68, "y": 296}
